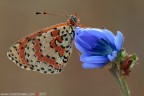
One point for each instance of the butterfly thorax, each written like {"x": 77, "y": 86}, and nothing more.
{"x": 73, "y": 20}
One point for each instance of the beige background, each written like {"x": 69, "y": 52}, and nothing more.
{"x": 17, "y": 20}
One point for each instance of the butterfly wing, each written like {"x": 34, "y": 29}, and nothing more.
{"x": 45, "y": 51}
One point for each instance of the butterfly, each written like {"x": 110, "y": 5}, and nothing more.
{"x": 47, "y": 50}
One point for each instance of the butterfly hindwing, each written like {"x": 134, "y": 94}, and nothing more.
{"x": 46, "y": 51}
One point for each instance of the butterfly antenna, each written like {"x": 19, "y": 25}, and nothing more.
{"x": 47, "y": 13}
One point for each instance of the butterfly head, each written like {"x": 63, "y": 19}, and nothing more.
{"x": 74, "y": 19}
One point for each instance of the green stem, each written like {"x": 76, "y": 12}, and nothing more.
{"x": 121, "y": 81}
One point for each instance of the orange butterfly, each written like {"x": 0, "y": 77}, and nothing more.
{"x": 47, "y": 50}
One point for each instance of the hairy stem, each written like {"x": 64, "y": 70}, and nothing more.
{"x": 121, "y": 81}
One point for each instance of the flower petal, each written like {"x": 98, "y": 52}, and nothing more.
{"x": 89, "y": 39}
{"x": 88, "y": 42}
{"x": 112, "y": 56}
{"x": 94, "y": 59}
{"x": 84, "y": 47}
{"x": 89, "y": 31}
{"x": 91, "y": 42}
{"x": 119, "y": 39}
{"x": 81, "y": 49}
{"x": 110, "y": 36}
{"x": 78, "y": 31}
{"x": 84, "y": 56}
{"x": 93, "y": 65}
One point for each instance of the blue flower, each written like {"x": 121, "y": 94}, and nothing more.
{"x": 98, "y": 46}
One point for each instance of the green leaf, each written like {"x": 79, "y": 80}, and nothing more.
{"x": 121, "y": 56}
{"x": 134, "y": 57}
{"x": 134, "y": 60}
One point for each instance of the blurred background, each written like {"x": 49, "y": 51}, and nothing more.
{"x": 17, "y": 19}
